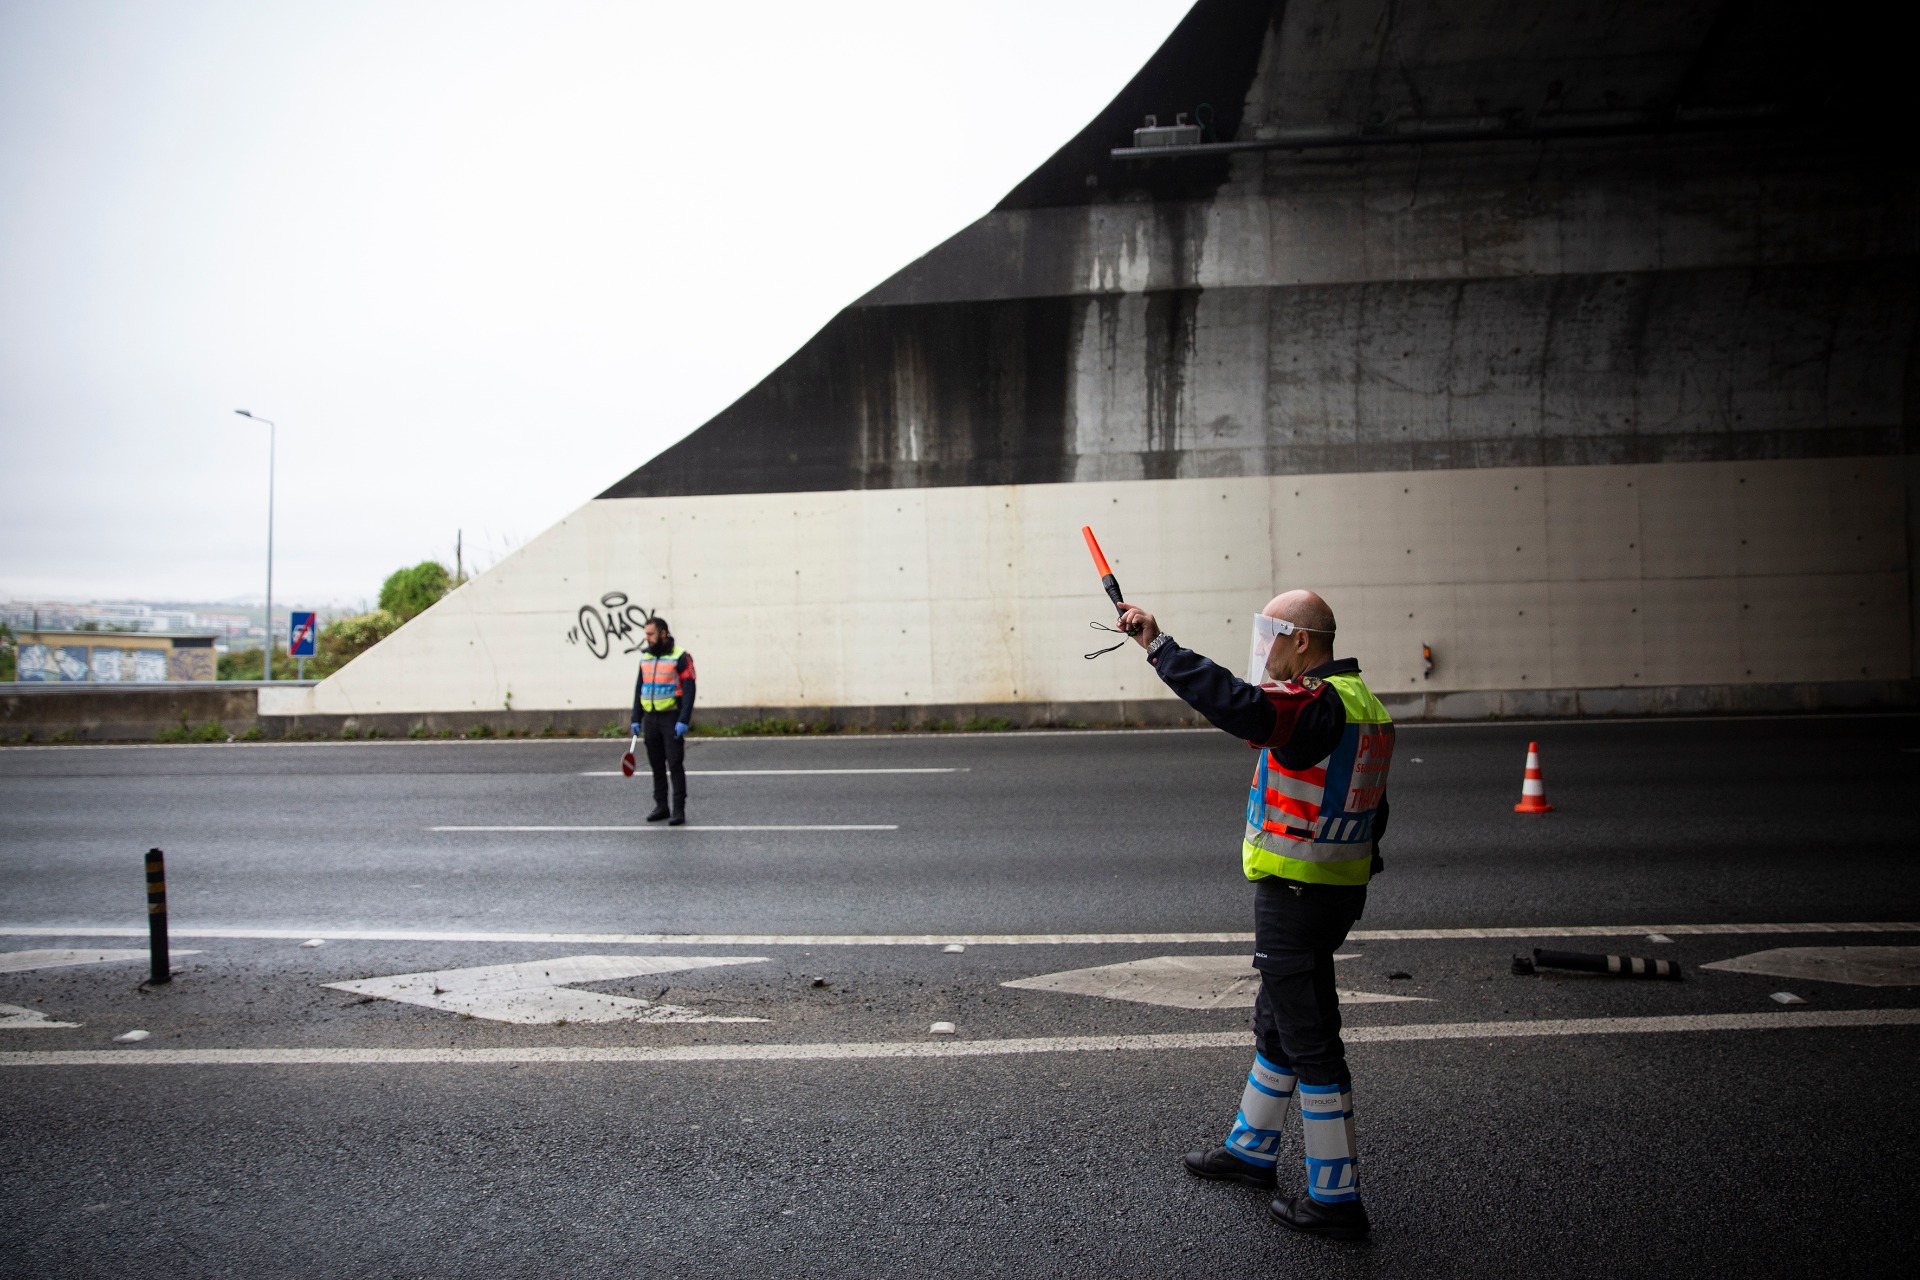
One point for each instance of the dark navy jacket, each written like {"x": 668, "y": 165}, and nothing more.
{"x": 1302, "y": 725}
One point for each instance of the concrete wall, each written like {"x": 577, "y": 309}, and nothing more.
{"x": 1521, "y": 578}
{"x": 1615, "y": 408}
{"x": 44, "y": 713}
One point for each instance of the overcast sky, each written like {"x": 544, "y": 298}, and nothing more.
{"x": 479, "y": 260}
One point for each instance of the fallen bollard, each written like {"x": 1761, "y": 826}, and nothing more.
{"x": 157, "y": 916}
{"x": 1586, "y": 962}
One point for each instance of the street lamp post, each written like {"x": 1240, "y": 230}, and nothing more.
{"x": 266, "y": 649}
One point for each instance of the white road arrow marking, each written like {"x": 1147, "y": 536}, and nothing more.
{"x": 59, "y": 957}
{"x": 15, "y": 1018}
{"x": 1184, "y": 982}
{"x": 1858, "y": 966}
{"x": 536, "y": 992}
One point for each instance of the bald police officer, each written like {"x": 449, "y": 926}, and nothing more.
{"x": 1315, "y": 814}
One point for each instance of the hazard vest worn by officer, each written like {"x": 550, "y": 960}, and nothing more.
{"x": 1315, "y": 825}
{"x": 660, "y": 680}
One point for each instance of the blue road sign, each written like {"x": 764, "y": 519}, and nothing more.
{"x": 300, "y": 641}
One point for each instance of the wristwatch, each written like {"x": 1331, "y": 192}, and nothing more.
{"x": 1160, "y": 642}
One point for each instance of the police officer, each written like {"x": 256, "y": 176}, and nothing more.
{"x": 663, "y": 712}
{"x": 1315, "y": 815}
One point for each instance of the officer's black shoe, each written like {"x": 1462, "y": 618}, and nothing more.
{"x": 679, "y": 818}
{"x": 1345, "y": 1220}
{"x": 1221, "y": 1165}
{"x": 659, "y": 812}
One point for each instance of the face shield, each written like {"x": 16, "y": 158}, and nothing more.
{"x": 1265, "y": 631}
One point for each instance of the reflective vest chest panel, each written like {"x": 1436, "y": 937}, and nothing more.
{"x": 660, "y": 681}
{"x": 1316, "y": 825}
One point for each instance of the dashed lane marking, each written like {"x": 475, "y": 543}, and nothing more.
{"x": 764, "y": 773}
{"x": 875, "y": 826}
{"x": 758, "y": 1054}
{"x": 304, "y": 932}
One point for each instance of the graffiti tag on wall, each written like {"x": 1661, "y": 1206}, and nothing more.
{"x": 612, "y": 622}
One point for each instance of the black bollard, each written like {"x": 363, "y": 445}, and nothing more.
{"x": 157, "y": 915}
{"x": 1618, "y": 966}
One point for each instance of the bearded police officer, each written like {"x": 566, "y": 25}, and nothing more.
{"x": 1315, "y": 815}
{"x": 663, "y": 712}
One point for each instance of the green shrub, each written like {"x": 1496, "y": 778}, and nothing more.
{"x": 988, "y": 724}
{"x": 614, "y": 729}
{"x": 419, "y": 731}
{"x": 344, "y": 639}
{"x": 407, "y": 593}
{"x": 480, "y": 731}
{"x": 245, "y": 665}
{"x": 253, "y": 734}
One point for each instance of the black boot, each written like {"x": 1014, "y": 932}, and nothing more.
{"x": 659, "y": 811}
{"x": 1344, "y": 1220}
{"x": 1221, "y": 1165}
{"x": 679, "y": 818}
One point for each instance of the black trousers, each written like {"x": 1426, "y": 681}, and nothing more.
{"x": 666, "y": 755}
{"x": 1296, "y": 1017}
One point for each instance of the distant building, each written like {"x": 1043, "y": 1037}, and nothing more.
{"x": 115, "y": 657}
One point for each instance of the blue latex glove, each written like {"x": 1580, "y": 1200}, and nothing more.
{"x": 679, "y": 728}
{"x": 636, "y": 729}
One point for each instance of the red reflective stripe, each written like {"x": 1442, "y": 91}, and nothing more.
{"x": 1300, "y": 809}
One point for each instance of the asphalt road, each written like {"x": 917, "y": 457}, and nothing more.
{"x": 1566, "y": 1124}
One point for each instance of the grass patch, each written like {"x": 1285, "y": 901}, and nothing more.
{"x": 988, "y": 724}
{"x": 773, "y": 727}
{"x": 211, "y": 731}
{"x": 479, "y": 731}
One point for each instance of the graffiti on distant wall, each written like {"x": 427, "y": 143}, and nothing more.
{"x": 53, "y": 662}
{"x": 613, "y": 622}
{"x": 191, "y": 664}
{"x": 104, "y": 664}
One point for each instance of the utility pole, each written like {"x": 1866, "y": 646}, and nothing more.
{"x": 266, "y": 648}
{"x": 459, "y": 571}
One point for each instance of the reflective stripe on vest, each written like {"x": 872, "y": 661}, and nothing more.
{"x": 660, "y": 681}
{"x": 1316, "y": 825}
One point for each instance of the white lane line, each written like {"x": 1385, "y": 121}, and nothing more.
{"x": 759, "y": 1053}
{"x": 1857, "y": 966}
{"x": 662, "y": 826}
{"x": 1617, "y": 931}
{"x": 1182, "y": 982}
{"x": 541, "y": 991}
{"x": 927, "y": 939}
{"x": 14, "y": 1017}
{"x": 763, "y": 773}
{"x": 61, "y": 957}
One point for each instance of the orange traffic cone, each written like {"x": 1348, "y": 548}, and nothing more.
{"x": 1533, "y": 792}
